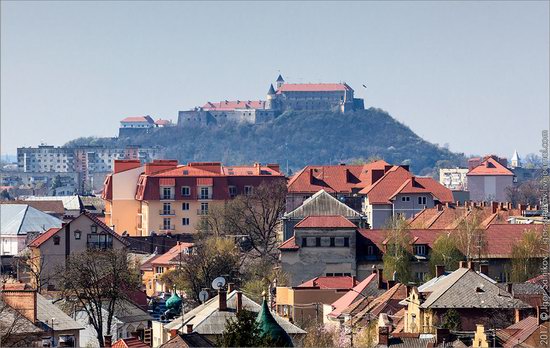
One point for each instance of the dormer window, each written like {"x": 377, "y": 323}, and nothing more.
{"x": 56, "y": 240}
{"x": 420, "y": 249}
{"x": 405, "y": 199}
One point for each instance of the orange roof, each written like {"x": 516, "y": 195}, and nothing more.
{"x": 326, "y": 221}
{"x": 350, "y": 297}
{"x": 168, "y": 258}
{"x": 313, "y": 87}
{"x": 490, "y": 167}
{"x": 330, "y": 283}
{"x": 337, "y": 178}
{"x": 502, "y": 237}
{"x": 129, "y": 343}
{"x": 162, "y": 122}
{"x": 138, "y": 119}
{"x": 196, "y": 171}
{"x": 289, "y": 244}
{"x": 235, "y": 104}
{"x": 38, "y": 241}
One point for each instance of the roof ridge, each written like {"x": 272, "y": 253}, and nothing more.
{"x": 448, "y": 287}
{"x": 23, "y": 219}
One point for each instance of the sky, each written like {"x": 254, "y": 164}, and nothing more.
{"x": 473, "y": 75}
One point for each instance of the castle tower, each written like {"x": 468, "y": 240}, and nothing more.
{"x": 280, "y": 81}
{"x": 515, "y": 162}
{"x": 270, "y": 102}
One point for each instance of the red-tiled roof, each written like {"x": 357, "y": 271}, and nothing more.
{"x": 337, "y": 178}
{"x": 490, "y": 167}
{"x": 313, "y": 87}
{"x": 330, "y": 283}
{"x": 327, "y": 221}
{"x": 162, "y": 122}
{"x": 350, "y": 297}
{"x": 418, "y": 236}
{"x": 502, "y": 237}
{"x": 289, "y": 244}
{"x": 38, "y": 241}
{"x": 192, "y": 170}
{"x": 172, "y": 255}
{"x": 235, "y": 104}
{"x": 129, "y": 343}
{"x": 515, "y": 334}
{"x": 138, "y": 119}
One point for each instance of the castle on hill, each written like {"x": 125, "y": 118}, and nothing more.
{"x": 336, "y": 97}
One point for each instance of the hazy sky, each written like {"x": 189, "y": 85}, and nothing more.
{"x": 474, "y": 75}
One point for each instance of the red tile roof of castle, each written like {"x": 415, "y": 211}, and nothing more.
{"x": 235, "y": 104}
{"x": 490, "y": 167}
{"x": 138, "y": 119}
{"x": 326, "y": 221}
{"x": 172, "y": 256}
{"x": 161, "y": 122}
{"x": 399, "y": 180}
{"x": 345, "y": 282}
{"x": 336, "y": 178}
{"x": 313, "y": 87}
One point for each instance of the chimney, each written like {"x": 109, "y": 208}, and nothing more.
{"x": 439, "y": 270}
{"x": 123, "y": 165}
{"x": 471, "y": 265}
{"x": 189, "y": 328}
{"x": 383, "y": 335}
{"x": 517, "y": 315}
{"x": 230, "y": 287}
{"x": 274, "y": 167}
{"x": 173, "y": 333}
{"x": 484, "y": 269}
{"x": 380, "y": 279}
{"x": 239, "y": 301}
{"x": 441, "y": 335}
{"x": 494, "y": 207}
{"x": 510, "y": 288}
{"x": 222, "y": 300}
{"x": 391, "y": 284}
{"x": 107, "y": 341}
{"x": 374, "y": 269}
{"x": 462, "y": 264}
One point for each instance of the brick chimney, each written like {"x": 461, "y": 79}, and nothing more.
{"x": 439, "y": 270}
{"x": 173, "y": 333}
{"x": 471, "y": 265}
{"x": 380, "y": 279}
{"x": 159, "y": 165}
{"x": 230, "y": 287}
{"x": 274, "y": 166}
{"x": 383, "y": 335}
{"x": 494, "y": 207}
{"x": 222, "y": 300}
{"x": 107, "y": 341}
{"x": 239, "y": 301}
{"x": 21, "y": 298}
{"x": 123, "y": 165}
{"x": 462, "y": 264}
{"x": 189, "y": 328}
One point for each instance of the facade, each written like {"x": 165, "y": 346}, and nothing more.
{"x": 398, "y": 192}
{"x": 489, "y": 180}
{"x": 137, "y": 125}
{"x": 454, "y": 178}
{"x": 157, "y": 266}
{"x": 164, "y": 197}
{"x": 50, "y": 250}
{"x": 137, "y": 122}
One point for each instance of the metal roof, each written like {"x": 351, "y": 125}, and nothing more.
{"x": 20, "y": 219}
{"x": 46, "y": 310}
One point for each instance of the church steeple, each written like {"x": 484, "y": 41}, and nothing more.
{"x": 271, "y": 90}
{"x": 280, "y": 81}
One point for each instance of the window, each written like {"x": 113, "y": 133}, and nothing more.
{"x": 346, "y": 241}
{"x": 232, "y": 191}
{"x": 405, "y": 199}
{"x": 420, "y": 249}
{"x": 100, "y": 241}
{"x": 166, "y": 224}
{"x": 370, "y": 250}
{"x": 185, "y": 221}
{"x": 94, "y": 229}
{"x": 77, "y": 234}
{"x": 185, "y": 206}
{"x": 185, "y": 191}
{"x": 248, "y": 190}
{"x": 167, "y": 193}
{"x": 304, "y": 242}
{"x": 166, "y": 209}
{"x": 330, "y": 274}
{"x": 204, "y": 209}
{"x": 159, "y": 270}
{"x": 205, "y": 193}
{"x": 56, "y": 240}
{"x": 317, "y": 241}
{"x": 422, "y": 200}
{"x": 332, "y": 242}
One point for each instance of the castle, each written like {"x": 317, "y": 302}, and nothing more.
{"x": 336, "y": 97}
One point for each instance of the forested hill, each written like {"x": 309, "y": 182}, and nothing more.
{"x": 300, "y": 138}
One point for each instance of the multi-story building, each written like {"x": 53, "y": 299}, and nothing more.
{"x": 488, "y": 181}
{"x": 164, "y": 197}
{"x": 453, "y": 178}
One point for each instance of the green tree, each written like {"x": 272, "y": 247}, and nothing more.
{"x": 242, "y": 331}
{"x": 398, "y": 253}
{"x": 470, "y": 235}
{"x": 526, "y": 256}
{"x": 56, "y": 183}
{"x": 451, "y": 320}
{"x": 445, "y": 252}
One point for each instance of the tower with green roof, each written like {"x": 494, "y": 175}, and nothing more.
{"x": 270, "y": 329}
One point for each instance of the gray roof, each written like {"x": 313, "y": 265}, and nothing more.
{"x": 127, "y": 312}
{"x": 46, "y": 310}
{"x": 69, "y": 202}
{"x": 322, "y": 203}
{"x": 207, "y": 319}
{"x": 465, "y": 288}
{"x": 10, "y": 319}
{"x": 20, "y": 219}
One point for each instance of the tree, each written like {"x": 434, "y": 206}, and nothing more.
{"x": 242, "y": 331}
{"x": 398, "y": 253}
{"x": 96, "y": 281}
{"x": 445, "y": 252}
{"x": 470, "y": 236}
{"x": 211, "y": 258}
{"x": 319, "y": 335}
{"x": 258, "y": 275}
{"x": 526, "y": 256}
{"x": 526, "y": 193}
{"x": 451, "y": 320}
{"x": 5, "y": 195}
{"x": 532, "y": 160}
{"x": 34, "y": 268}
{"x": 56, "y": 183}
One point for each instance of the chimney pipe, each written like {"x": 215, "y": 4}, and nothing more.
{"x": 230, "y": 287}
{"x": 239, "y": 301}
{"x": 107, "y": 341}
{"x": 383, "y": 335}
{"x": 380, "y": 279}
{"x": 222, "y": 300}
{"x": 189, "y": 328}
{"x": 439, "y": 270}
{"x": 462, "y": 264}
{"x": 509, "y": 288}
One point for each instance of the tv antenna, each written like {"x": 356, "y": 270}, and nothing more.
{"x": 218, "y": 283}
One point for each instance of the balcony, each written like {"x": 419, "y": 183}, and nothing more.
{"x": 167, "y": 228}
{"x": 204, "y": 196}
{"x": 167, "y": 197}
{"x": 167, "y": 212}
{"x": 202, "y": 212}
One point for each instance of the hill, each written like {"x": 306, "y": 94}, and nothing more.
{"x": 300, "y": 138}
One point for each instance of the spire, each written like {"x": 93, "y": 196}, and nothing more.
{"x": 271, "y": 90}
{"x": 515, "y": 156}
{"x": 280, "y": 78}
{"x": 270, "y": 329}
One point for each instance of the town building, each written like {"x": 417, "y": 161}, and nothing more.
{"x": 341, "y": 181}
{"x": 529, "y": 332}
{"x": 137, "y": 125}
{"x": 454, "y": 178}
{"x": 164, "y": 197}
{"x": 50, "y": 249}
{"x": 488, "y": 181}
{"x": 399, "y": 192}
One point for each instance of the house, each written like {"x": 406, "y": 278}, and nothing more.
{"x": 488, "y": 181}
{"x": 528, "y": 333}
{"x": 341, "y": 181}
{"x": 137, "y": 122}
{"x": 320, "y": 203}
{"x": 474, "y": 296}
{"x": 21, "y": 223}
{"x": 50, "y": 250}
{"x": 53, "y": 208}
{"x": 164, "y": 197}
{"x": 129, "y": 321}
{"x": 398, "y": 192}
{"x": 72, "y": 204}
{"x": 210, "y": 318}
{"x": 153, "y": 269}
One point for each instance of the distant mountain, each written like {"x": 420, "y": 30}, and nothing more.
{"x": 300, "y": 138}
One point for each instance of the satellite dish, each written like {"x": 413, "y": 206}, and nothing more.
{"x": 203, "y": 296}
{"x": 218, "y": 283}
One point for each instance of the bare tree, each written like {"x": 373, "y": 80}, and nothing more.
{"x": 31, "y": 268}
{"x": 14, "y": 328}
{"x": 398, "y": 253}
{"x": 526, "y": 255}
{"x": 97, "y": 281}
{"x": 470, "y": 236}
